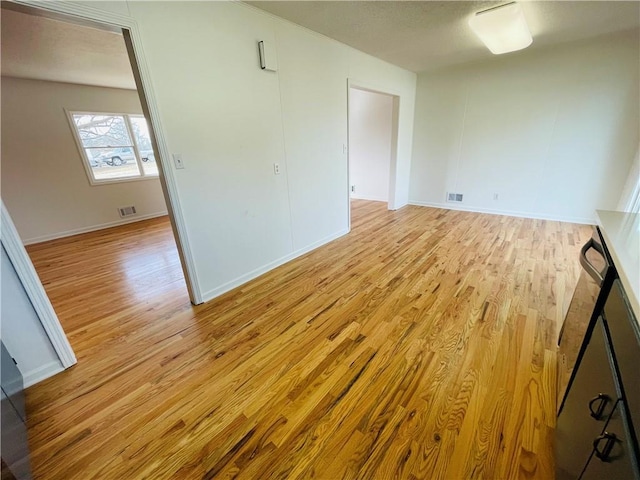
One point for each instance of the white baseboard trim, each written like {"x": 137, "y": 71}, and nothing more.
{"x": 371, "y": 199}
{"x": 399, "y": 206}
{"x": 41, "y": 373}
{"x": 92, "y": 228}
{"x": 508, "y": 213}
{"x": 216, "y": 292}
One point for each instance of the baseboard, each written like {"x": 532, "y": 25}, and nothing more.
{"x": 216, "y": 292}
{"x": 371, "y": 199}
{"x": 41, "y": 373}
{"x": 508, "y": 213}
{"x": 93, "y": 228}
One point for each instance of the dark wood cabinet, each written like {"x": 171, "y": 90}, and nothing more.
{"x": 591, "y": 400}
{"x": 625, "y": 332}
{"x": 14, "y": 441}
{"x": 597, "y": 425}
{"x": 612, "y": 453}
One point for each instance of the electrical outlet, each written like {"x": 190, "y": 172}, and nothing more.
{"x": 276, "y": 169}
{"x": 177, "y": 160}
{"x": 495, "y": 196}
{"x": 353, "y": 188}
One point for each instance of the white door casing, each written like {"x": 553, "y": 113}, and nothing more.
{"x": 35, "y": 290}
{"x": 85, "y": 14}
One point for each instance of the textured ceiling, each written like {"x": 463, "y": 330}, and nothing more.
{"x": 423, "y": 36}
{"x": 415, "y": 35}
{"x": 44, "y": 49}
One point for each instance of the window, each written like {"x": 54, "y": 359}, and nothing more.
{"x": 114, "y": 147}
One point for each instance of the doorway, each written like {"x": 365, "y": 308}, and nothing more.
{"x": 97, "y": 153}
{"x": 373, "y": 139}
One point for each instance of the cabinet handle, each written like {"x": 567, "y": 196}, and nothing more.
{"x": 603, "y": 399}
{"x": 587, "y": 265}
{"x": 610, "y": 439}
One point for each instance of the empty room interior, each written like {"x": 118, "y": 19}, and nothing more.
{"x": 311, "y": 239}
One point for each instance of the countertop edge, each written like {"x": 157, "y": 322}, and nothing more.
{"x": 624, "y": 270}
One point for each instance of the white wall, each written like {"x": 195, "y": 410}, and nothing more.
{"x": 22, "y": 332}
{"x": 370, "y": 135}
{"x": 44, "y": 184}
{"x": 232, "y": 121}
{"x": 630, "y": 196}
{"x": 552, "y": 132}
{"x": 365, "y": 72}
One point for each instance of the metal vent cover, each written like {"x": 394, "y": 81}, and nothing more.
{"x": 127, "y": 211}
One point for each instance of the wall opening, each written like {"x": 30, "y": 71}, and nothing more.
{"x": 96, "y": 264}
{"x": 373, "y": 135}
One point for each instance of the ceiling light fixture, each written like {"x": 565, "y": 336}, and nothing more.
{"x": 502, "y": 29}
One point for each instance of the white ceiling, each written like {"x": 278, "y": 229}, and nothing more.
{"x": 419, "y": 35}
{"x": 416, "y": 35}
{"x": 44, "y": 49}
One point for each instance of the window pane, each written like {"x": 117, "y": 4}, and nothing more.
{"x": 102, "y": 130}
{"x": 143, "y": 140}
{"x": 149, "y": 164}
{"x": 112, "y": 163}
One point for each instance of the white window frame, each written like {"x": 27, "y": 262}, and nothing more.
{"x": 136, "y": 151}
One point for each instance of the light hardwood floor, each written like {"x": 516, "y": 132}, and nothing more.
{"x": 421, "y": 345}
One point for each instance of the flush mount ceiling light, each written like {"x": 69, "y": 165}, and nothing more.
{"x": 502, "y": 29}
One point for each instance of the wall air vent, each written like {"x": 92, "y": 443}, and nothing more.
{"x": 454, "y": 197}
{"x": 127, "y": 211}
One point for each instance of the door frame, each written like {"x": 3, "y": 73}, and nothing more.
{"x": 84, "y": 14}
{"x": 90, "y": 16}
{"x": 395, "y": 123}
{"x": 35, "y": 290}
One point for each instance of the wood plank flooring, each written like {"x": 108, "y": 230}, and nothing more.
{"x": 421, "y": 345}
